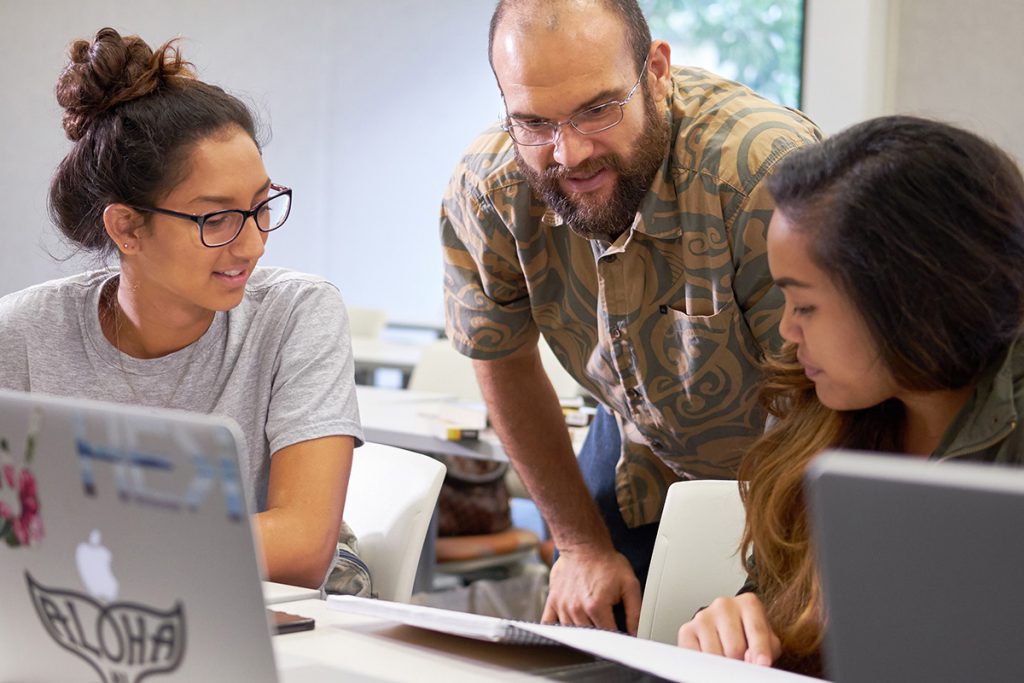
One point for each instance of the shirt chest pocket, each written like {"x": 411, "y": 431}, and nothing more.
{"x": 701, "y": 366}
{"x": 683, "y": 343}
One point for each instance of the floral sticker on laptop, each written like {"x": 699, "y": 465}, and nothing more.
{"x": 20, "y": 523}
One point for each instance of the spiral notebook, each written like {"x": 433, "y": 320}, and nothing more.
{"x": 625, "y": 658}
{"x": 480, "y": 627}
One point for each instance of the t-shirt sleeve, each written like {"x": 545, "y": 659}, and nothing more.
{"x": 14, "y": 361}
{"x": 313, "y": 393}
{"x": 487, "y": 303}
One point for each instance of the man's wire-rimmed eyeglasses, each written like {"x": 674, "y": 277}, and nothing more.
{"x": 222, "y": 227}
{"x": 596, "y": 119}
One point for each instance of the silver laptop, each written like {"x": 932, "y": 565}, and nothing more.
{"x": 125, "y": 547}
{"x": 922, "y": 567}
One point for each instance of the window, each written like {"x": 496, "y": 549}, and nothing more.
{"x": 756, "y": 42}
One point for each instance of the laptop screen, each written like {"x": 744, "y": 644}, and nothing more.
{"x": 921, "y": 567}
{"x": 127, "y": 551}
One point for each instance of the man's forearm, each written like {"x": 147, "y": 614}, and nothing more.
{"x": 527, "y": 416}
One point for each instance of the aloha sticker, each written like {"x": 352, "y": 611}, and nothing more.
{"x": 20, "y": 522}
{"x": 123, "y": 641}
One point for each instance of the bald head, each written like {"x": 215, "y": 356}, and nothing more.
{"x": 528, "y": 21}
{"x": 523, "y": 16}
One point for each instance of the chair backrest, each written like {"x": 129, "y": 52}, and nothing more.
{"x": 443, "y": 369}
{"x": 695, "y": 557}
{"x": 391, "y": 496}
{"x": 366, "y": 322}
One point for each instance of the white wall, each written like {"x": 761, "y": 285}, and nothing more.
{"x": 963, "y": 62}
{"x": 846, "y": 48}
{"x": 370, "y": 105}
{"x": 948, "y": 59}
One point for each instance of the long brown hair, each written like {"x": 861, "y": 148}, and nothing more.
{"x": 777, "y": 529}
{"x": 921, "y": 225}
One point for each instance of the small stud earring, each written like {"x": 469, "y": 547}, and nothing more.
{"x": 125, "y": 245}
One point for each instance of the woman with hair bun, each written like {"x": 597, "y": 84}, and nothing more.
{"x": 899, "y": 245}
{"x": 166, "y": 173}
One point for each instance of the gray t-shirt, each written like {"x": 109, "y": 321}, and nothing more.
{"x": 279, "y": 364}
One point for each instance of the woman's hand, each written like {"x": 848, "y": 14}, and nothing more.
{"x": 735, "y": 627}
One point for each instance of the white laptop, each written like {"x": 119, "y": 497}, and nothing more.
{"x": 922, "y": 567}
{"x": 125, "y": 547}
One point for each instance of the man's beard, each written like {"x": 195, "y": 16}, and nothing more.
{"x": 592, "y": 218}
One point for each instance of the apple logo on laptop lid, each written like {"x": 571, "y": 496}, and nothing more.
{"x": 93, "y": 560}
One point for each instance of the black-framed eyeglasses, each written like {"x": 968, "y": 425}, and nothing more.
{"x": 222, "y": 227}
{"x": 596, "y": 119}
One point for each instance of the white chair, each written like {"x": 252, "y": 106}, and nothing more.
{"x": 391, "y": 497}
{"x": 696, "y": 556}
{"x": 365, "y": 327}
{"x": 443, "y": 369}
{"x": 366, "y": 323}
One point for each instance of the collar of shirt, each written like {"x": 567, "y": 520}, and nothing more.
{"x": 991, "y": 413}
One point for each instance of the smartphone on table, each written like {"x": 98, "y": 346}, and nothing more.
{"x": 285, "y": 622}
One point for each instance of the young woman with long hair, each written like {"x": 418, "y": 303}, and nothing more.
{"x": 899, "y": 245}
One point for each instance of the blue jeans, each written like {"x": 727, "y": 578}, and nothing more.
{"x": 597, "y": 461}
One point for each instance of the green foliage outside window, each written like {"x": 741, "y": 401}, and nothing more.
{"x": 755, "y": 42}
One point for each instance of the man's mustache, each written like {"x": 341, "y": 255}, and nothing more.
{"x": 556, "y": 172}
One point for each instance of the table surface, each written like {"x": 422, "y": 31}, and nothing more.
{"x": 275, "y": 593}
{"x": 407, "y": 419}
{"x": 350, "y": 647}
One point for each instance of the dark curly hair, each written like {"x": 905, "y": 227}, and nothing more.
{"x": 134, "y": 115}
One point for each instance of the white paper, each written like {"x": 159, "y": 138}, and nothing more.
{"x": 666, "y": 661}
{"x": 449, "y": 621}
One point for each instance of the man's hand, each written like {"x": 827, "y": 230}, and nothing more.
{"x": 589, "y": 577}
{"x": 586, "y": 584}
{"x": 733, "y": 627}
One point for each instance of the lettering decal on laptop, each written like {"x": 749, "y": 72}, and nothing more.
{"x": 123, "y": 641}
{"x": 20, "y": 521}
{"x": 131, "y": 465}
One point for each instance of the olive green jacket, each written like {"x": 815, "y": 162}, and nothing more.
{"x": 985, "y": 430}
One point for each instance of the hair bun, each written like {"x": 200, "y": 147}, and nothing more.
{"x": 110, "y": 70}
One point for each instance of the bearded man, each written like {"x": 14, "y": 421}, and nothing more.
{"x": 619, "y": 210}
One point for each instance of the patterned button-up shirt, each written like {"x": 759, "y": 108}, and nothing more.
{"x": 666, "y": 325}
